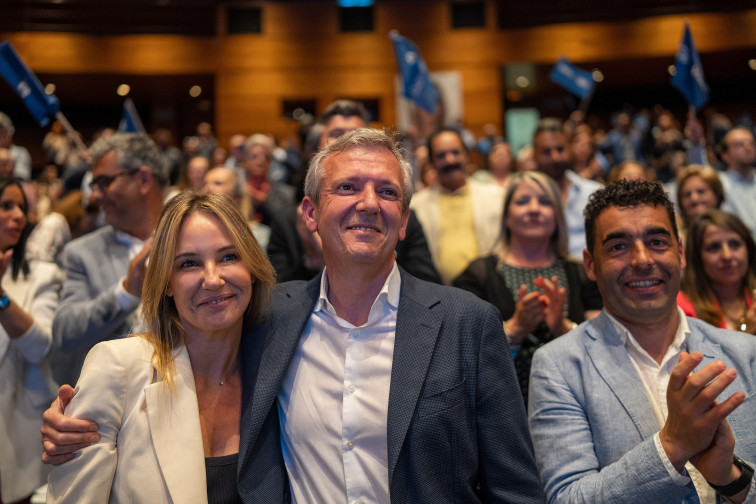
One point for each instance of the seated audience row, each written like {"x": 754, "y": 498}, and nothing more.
{"x": 510, "y": 236}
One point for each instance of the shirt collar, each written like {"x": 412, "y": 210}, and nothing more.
{"x": 739, "y": 177}
{"x": 389, "y": 293}
{"x": 681, "y": 335}
{"x": 127, "y": 239}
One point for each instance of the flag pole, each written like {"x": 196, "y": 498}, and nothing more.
{"x": 72, "y": 135}
{"x": 585, "y": 103}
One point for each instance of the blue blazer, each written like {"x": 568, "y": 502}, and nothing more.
{"x": 593, "y": 426}
{"x": 456, "y": 419}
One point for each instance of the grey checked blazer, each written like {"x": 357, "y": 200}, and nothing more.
{"x": 593, "y": 426}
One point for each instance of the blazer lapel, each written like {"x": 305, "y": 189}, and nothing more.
{"x": 173, "y": 417}
{"x": 262, "y": 382}
{"x": 417, "y": 328}
{"x": 609, "y": 357}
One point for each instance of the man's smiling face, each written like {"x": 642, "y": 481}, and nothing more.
{"x": 636, "y": 263}
{"x": 359, "y": 217}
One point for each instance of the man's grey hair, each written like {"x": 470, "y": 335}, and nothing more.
{"x": 262, "y": 140}
{"x": 365, "y": 138}
{"x": 7, "y": 124}
{"x": 133, "y": 150}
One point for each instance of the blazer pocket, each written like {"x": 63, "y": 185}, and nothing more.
{"x": 437, "y": 402}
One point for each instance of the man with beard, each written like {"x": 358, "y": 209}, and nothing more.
{"x": 461, "y": 217}
{"x": 553, "y": 158}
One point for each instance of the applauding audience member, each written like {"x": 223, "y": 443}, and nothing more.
{"x": 539, "y": 292}
{"x": 631, "y": 406}
{"x": 105, "y": 269}
{"x": 28, "y": 296}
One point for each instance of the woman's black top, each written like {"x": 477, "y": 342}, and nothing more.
{"x": 492, "y": 280}
{"x": 221, "y": 479}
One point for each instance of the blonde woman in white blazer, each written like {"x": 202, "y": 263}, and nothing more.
{"x": 168, "y": 402}
{"x": 28, "y": 297}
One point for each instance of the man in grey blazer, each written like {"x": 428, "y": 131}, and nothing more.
{"x": 367, "y": 384}
{"x": 643, "y": 404}
{"x": 104, "y": 269}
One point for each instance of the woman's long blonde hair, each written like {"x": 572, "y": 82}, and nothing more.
{"x": 164, "y": 329}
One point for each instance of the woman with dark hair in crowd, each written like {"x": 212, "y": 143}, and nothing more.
{"x": 540, "y": 293}
{"x": 28, "y": 297}
{"x": 720, "y": 274}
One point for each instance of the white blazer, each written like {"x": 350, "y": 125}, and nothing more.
{"x": 26, "y": 386}
{"x": 150, "y": 449}
{"x": 487, "y": 209}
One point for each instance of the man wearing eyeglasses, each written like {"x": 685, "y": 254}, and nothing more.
{"x": 105, "y": 269}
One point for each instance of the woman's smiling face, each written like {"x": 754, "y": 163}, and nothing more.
{"x": 210, "y": 284}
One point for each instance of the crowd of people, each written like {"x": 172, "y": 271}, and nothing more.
{"x": 257, "y": 323}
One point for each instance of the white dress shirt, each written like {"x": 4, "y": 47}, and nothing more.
{"x": 333, "y": 405}
{"x": 655, "y": 378}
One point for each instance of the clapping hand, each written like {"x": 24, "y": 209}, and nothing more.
{"x": 554, "y": 299}
{"x": 693, "y": 430}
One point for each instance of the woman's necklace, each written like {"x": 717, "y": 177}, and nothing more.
{"x": 738, "y": 321}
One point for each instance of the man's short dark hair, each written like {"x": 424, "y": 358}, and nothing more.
{"x": 625, "y": 193}
{"x": 346, "y": 108}
{"x": 439, "y": 131}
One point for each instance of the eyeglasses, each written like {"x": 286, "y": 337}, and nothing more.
{"x": 741, "y": 143}
{"x": 103, "y": 182}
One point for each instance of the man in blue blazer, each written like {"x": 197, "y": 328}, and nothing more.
{"x": 643, "y": 404}
{"x": 367, "y": 384}
{"x": 443, "y": 402}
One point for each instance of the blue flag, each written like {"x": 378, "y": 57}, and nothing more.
{"x": 418, "y": 86}
{"x": 40, "y": 104}
{"x": 130, "y": 122}
{"x": 689, "y": 76}
{"x": 575, "y": 80}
